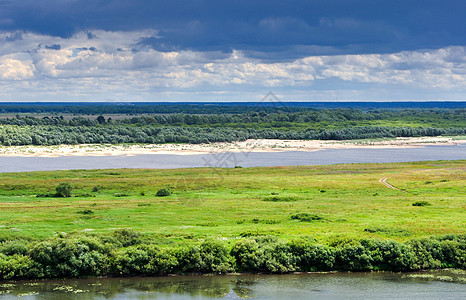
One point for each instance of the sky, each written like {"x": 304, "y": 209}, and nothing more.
{"x": 236, "y": 50}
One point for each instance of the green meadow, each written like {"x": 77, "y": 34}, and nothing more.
{"x": 325, "y": 203}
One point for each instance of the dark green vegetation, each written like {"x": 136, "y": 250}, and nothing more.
{"x": 216, "y": 220}
{"x": 125, "y": 253}
{"x": 268, "y": 123}
{"x": 163, "y": 193}
{"x": 269, "y": 104}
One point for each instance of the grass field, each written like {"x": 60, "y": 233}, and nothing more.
{"x": 341, "y": 201}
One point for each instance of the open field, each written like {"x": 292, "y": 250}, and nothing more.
{"x": 348, "y": 201}
{"x": 353, "y": 217}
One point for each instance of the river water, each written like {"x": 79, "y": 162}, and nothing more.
{"x": 229, "y": 159}
{"x": 383, "y": 285}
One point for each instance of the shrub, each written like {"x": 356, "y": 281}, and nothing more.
{"x": 127, "y": 237}
{"x": 353, "y": 258}
{"x": 85, "y": 195}
{"x": 63, "y": 190}
{"x": 246, "y": 254}
{"x": 120, "y": 195}
{"x": 306, "y": 217}
{"x": 16, "y": 266}
{"x": 312, "y": 257}
{"x": 133, "y": 260}
{"x": 70, "y": 257}
{"x": 215, "y": 257}
{"x": 278, "y": 258}
{"x": 428, "y": 253}
{"x": 280, "y": 199}
{"x": 211, "y": 256}
{"x": 14, "y": 247}
{"x": 421, "y": 203}
{"x": 389, "y": 255}
{"x": 163, "y": 193}
{"x": 263, "y": 256}
{"x": 189, "y": 259}
{"x": 453, "y": 253}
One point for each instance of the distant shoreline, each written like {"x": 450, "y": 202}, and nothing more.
{"x": 259, "y": 145}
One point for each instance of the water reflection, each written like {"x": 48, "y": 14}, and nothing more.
{"x": 440, "y": 284}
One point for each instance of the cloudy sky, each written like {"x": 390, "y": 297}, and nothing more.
{"x": 235, "y": 50}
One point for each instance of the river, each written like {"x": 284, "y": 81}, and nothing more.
{"x": 230, "y": 159}
{"x": 382, "y": 285}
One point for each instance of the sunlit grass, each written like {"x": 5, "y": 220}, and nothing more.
{"x": 350, "y": 200}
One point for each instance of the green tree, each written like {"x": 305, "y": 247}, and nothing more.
{"x": 64, "y": 189}
{"x": 101, "y": 119}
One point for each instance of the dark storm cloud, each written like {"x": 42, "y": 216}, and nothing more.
{"x": 53, "y": 47}
{"x": 267, "y": 29}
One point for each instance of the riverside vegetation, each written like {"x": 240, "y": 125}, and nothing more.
{"x": 218, "y": 124}
{"x": 279, "y": 219}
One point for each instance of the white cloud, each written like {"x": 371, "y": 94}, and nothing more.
{"x": 115, "y": 63}
{"x": 15, "y": 69}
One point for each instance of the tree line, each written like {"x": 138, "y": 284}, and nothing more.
{"x": 71, "y": 135}
{"x": 327, "y": 124}
{"x": 447, "y": 116}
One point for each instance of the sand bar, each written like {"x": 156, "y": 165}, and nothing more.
{"x": 260, "y": 145}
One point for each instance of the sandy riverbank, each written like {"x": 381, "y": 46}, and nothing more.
{"x": 245, "y": 146}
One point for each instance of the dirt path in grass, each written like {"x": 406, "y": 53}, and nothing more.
{"x": 383, "y": 181}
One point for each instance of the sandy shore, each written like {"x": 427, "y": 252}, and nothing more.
{"x": 246, "y": 146}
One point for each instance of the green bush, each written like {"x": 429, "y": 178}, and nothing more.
{"x": 70, "y": 257}
{"x": 133, "y": 260}
{"x": 306, "y": 217}
{"x": 16, "y": 266}
{"x": 264, "y": 254}
{"x": 63, "y": 190}
{"x": 14, "y": 247}
{"x": 163, "y": 193}
{"x": 127, "y": 237}
{"x": 428, "y": 253}
{"x": 353, "y": 258}
{"x": 280, "y": 199}
{"x": 312, "y": 257}
{"x": 389, "y": 255}
{"x": 215, "y": 257}
{"x": 247, "y": 255}
{"x": 453, "y": 254}
{"x": 421, "y": 203}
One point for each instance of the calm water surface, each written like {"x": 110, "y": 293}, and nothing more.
{"x": 245, "y": 159}
{"x": 384, "y": 285}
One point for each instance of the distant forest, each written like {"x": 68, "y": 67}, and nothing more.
{"x": 269, "y": 106}
{"x": 149, "y": 123}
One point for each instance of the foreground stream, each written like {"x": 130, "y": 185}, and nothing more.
{"x": 447, "y": 284}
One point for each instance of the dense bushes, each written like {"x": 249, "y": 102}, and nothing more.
{"x": 163, "y": 193}
{"x": 126, "y": 253}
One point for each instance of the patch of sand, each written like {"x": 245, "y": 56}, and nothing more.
{"x": 245, "y": 146}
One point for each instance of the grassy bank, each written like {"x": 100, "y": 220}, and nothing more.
{"x": 276, "y": 219}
